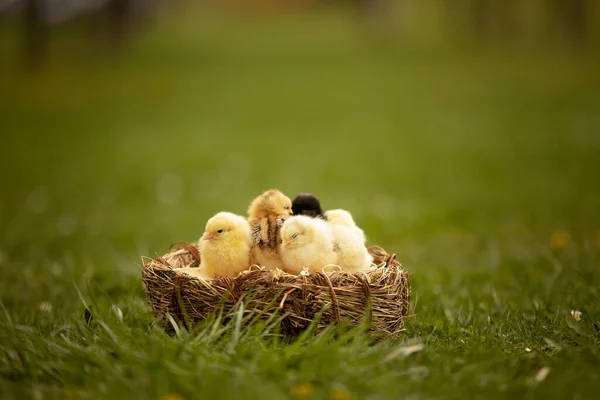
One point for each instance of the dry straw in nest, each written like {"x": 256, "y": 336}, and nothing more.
{"x": 381, "y": 294}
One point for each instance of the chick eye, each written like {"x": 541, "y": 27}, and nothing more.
{"x": 220, "y": 231}
{"x": 295, "y": 235}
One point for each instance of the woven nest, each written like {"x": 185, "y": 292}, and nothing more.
{"x": 381, "y": 294}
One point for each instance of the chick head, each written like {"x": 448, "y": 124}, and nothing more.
{"x": 273, "y": 203}
{"x": 339, "y": 217}
{"x": 226, "y": 226}
{"x": 298, "y": 231}
{"x": 307, "y": 204}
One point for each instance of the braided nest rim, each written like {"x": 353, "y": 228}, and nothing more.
{"x": 381, "y": 294}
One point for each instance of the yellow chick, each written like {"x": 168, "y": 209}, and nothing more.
{"x": 306, "y": 242}
{"x": 224, "y": 247}
{"x": 349, "y": 239}
{"x": 265, "y": 216}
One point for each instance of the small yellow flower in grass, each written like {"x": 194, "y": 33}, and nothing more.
{"x": 576, "y": 314}
{"x": 72, "y": 394}
{"x": 303, "y": 390}
{"x": 171, "y": 396}
{"x": 559, "y": 240}
{"x": 339, "y": 394}
{"x": 45, "y": 306}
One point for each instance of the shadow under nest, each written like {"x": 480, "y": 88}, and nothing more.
{"x": 381, "y": 294}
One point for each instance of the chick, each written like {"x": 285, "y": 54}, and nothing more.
{"x": 350, "y": 240}
{"x": 265, "y": 216}
{"x": 306, "y": 242}
{"x": 224, "y": 247}
{"x": 344, "y": 218}
{"x": 307, "y": 204}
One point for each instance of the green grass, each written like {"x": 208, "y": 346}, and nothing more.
{"x": 465, "y": 163}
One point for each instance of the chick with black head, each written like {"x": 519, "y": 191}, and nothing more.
{"x": 307, "y": 204}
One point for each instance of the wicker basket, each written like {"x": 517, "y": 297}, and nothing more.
{"x": 381, "y": 294}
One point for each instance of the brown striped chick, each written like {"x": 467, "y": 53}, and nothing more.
{"x": 349, "y": 240}
{"x": 306, "y": 242}
{"x": 224, "y": 247}
{"x": 265, "y": 216}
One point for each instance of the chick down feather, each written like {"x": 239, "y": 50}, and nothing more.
{"x": 224, "y": 247}
{"x": 265, "y": 216}
{"x": 349, "y": 239}
{"x": 307, "y": 204}
{"x": 306, "y": 243}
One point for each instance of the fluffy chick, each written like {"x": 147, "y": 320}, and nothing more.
{"x": 349, "y": 239}
{"x": 224, "y": 247}
{"x": 342, "y": 217}
{"x": 307, "y": 204}
{"x": 265, "y": 216}
{"x": 306, "y": 242}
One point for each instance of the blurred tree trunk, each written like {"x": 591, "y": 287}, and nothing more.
{"x": 35, "y": 32}
{"x": 121, "y": 15}
{"x": 491, "y": 18}
{"x": 480, "y": 16}
{"x": 571, "y": 18}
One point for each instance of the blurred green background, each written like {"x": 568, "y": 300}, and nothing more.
{"x": 465, "y": 141}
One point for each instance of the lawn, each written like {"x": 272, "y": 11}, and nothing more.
{"x": 478, "y": 167}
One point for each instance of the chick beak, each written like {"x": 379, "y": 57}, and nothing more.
{"x": 291, "y": 212}
{"x": 285, "y": 243}
{"x": 208, "y": 236}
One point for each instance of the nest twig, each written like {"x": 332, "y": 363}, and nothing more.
{"x": 381, "y": 294}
